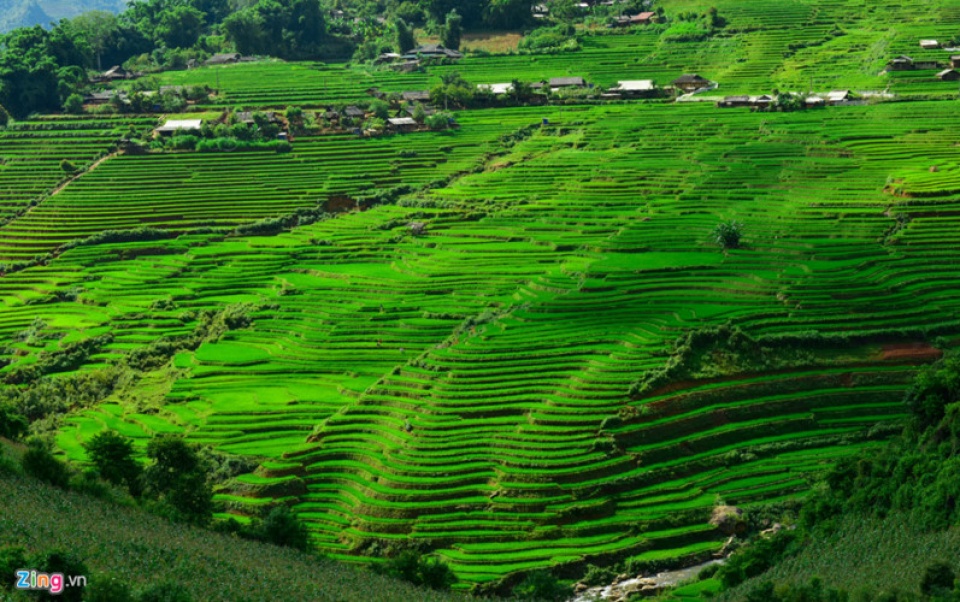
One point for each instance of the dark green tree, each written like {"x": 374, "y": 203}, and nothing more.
{"x": 542, "y": 585}
{"x": 66, "y": 563}
{"x": 452, "y": 30}
{"x": 112, "y": 454}
{"x": 405, "y": 39}
{"x": 938, "y": 580}
{"x": 180, "y": 27}
{"x": 282, "y": 528}
{"x": 39, "y": 462}
{"x": 178, "y": 477}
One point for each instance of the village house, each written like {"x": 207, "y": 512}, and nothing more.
{"x": 734, "y": 101}
{"x": 567, "y": 82}
{"x": 432, "y": 51}
{"x": 179, "y": 125}
{"x": 635, "y": 88}
{"x": 955, "y": 61}
{"x": 415, "y": 96}
{"x": 354, "y": 112}
{"x": 223, "y": 59}
{"x": 503, "y": 88}
{"x": 929, "y": 44}
{"x": 644, "y": 18}
{"x": 402, "y": 124}
{"x": 387, "y": 57}
{"x": 690, "y": 82}
{"x": 246, "y": 117}
{"x": 409, "y": 110}
{"x": 116, "y": 73}
{"x": 949, "y": 75}
{"x": 905, "y": 63}
{"x": 836, "y": 97}
{"x": 103, "y": 97}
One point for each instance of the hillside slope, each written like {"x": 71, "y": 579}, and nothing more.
{"x": 142, "y": 549}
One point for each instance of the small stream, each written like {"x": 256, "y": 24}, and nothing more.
{"x": 654, "y": 583}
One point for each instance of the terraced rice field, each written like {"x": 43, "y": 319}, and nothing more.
{"x": 31, "y": 152}
{"x": 469, "y": 389}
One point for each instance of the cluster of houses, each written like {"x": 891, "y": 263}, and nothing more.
{"x": 542, "y": 11}
{"x": 411, "y": 59}
{"x": 765, "y": 101}
{"x": 950, "y": 73}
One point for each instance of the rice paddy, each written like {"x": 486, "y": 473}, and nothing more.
{"x": 472, "y": 389}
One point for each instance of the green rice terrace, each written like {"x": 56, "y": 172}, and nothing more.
{"x": 563, "y": 368}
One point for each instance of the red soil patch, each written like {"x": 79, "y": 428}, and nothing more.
{"x": 910, "y": 352}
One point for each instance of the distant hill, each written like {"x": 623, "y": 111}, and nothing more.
{"x": 21, "y": 13}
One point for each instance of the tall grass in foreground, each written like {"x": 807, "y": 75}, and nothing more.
{"x": 864, "y": 554}
{"x": 140, "y": 549}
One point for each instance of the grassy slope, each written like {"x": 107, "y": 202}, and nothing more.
{"x": 142, "y": 549}
{"x": 864, "y": 553}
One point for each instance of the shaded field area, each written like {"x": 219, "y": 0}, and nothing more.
{"x": 139, "y": 548}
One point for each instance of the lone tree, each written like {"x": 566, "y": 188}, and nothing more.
{"x": 178, "y": 476}
{"x": 405, "y": 38}
{"x": 452, "y": 31}
{"x": 112, "y": 454}
{"x": 728, "y": 234}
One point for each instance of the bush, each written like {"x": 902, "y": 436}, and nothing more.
{"x": 728, "y": 234}
{"x": 425, "y": 571}
{"x": 68, "y": 167}
{"x": 938, "y": 579}
{"x": 12, "y": 425}
{"x": 73, "y": 104}
{"x": 107, "y": 588}
{"x": 59, "y": 561}
{"x": 596, "y": 575}
{"x": 39, "y": 462}
{"x": 165, "y": 591}
{"x": 12, "y": 558}
{"x": 282, "y": 528}
{"x": 542, "y": 585}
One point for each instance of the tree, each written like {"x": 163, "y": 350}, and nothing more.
{"x": 97, "y": 27}
{"x": 165, "y": 591}
{"x": 112, "y": 454}
{"x": 404, "y": 36}
{"x": 245, "y": 31}
{"x": 180, "y": 26}
{"x": 380, "y": 109}
{"x": 178, "y": 477}
{"x": 935, "y": 387}
{"x": 4, "y": 117}
{"x": 728, "y": 234}
{"x": 452, "y": 30}
{"x": 419, "y": 113}
{"x": 73, "y": 104}
{"x": 426, "y": 571}
{"x": 510, "y": 14}
{"x": 39, "y": 462}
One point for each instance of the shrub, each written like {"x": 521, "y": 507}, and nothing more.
{"x": 39, "y": 462}
{"x": 282, "y": 528}
{"x": 4, "y": 117}
{"x": 596, "y": 575}
{"x": 107, "y": 588}
{"x": 938, "y": 579}
{"x": 12, "y": 425}
{"x": 437, "y": 122}
{"x": 68, "y": 167}
{"x": 542, "y": 585}
{"x": 426, "y": 571}
{"x": 73, "y": 104}
{"x": 11, "y": 559}
{"x": 728, "y": 234}
{"x": 59, "y": 561}
{"x": 166, "y": 591}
